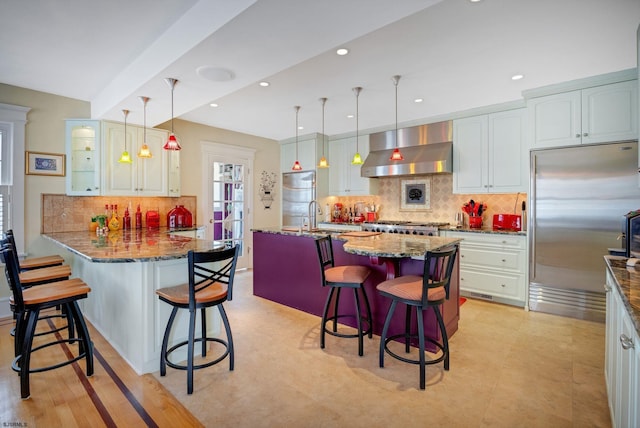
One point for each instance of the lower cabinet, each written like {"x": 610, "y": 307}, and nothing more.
{"x": 622, "y": 361}
{"x": 493, "y": 266}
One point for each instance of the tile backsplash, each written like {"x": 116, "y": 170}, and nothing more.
{"x": 61, "y": 213}
{"x": 444, "y": 204}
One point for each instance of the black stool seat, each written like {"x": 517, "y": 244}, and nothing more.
{"x": 337, "y": 278}
{"x": 210, "y": 284}
{"x": 27, "y": 304}
{"x": 422, "y": 293}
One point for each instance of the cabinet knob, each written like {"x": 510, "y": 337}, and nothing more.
{"x": 502, "y": 285}
{"x": 462, "y": 256}
{"x": 626, "y": 342}
{"x": 504, "y": 260}
{"x": 586, "y": 134}
{"x": 577, "y": 135}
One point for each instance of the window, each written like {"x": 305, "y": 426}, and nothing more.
{"x": 13, "y": 120}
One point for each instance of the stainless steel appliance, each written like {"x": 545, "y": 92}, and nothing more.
{"x": 404, "y": 227}
{"x": 298, "y": 190}
{"x": 578, "y": 196}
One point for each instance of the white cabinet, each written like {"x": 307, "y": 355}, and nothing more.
{"x": 345, "y": 178}
{"x": 493, "y": 266}
{"x": 174, "y": 185}
{"x": 622, "y": 360}
{"x": 594, "y": 115}
{"x": 490, "y": 154}
{"x": 142, "y": 177}
{"x": 306, "y": 155}
{"x": 83, "y": 145}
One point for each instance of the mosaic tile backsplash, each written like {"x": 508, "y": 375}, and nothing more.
{"x": 61, "y": 213}
{"x": 444, "y": 204}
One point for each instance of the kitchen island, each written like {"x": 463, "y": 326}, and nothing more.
{"x": 286, "y": 270}
{"x": 123, "y": 270}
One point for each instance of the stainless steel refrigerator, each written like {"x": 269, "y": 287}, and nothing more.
{"x": 578, "y": 198}
{"x": 298, "y": 190}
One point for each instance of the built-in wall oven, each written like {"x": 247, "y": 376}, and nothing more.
{"x": 404, "y": 227}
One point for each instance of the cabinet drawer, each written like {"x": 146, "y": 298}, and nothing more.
{"x": 491, "y": 259}
{"x": 498, "y": 285}
{"x": 489, "y": 240}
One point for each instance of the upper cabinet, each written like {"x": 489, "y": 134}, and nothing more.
{"x": 94, "y": 148}
{"x": 490, "y": 154}
{"x": 142, "y": 177}
{"x": 345, "y": 178}
{"x": 83, "y": 145}
{"x": 594, "y": 115}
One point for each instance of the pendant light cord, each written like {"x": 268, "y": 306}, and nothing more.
{"x": 324, "y": 100}
{"x": 297, "y": 110}
{"x": 396, "y": 79}
{"x": 357, "y": 90}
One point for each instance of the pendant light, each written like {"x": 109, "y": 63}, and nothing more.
{"x": 357, "y": 159}
{"x": 396, "y": 155}
{"x": 125, "y": 158}
{"x": 172, "y": 142}
{"x": 296, "y": 165}
{"x": 144, "y": 151}
{"x": 323, "y": 160}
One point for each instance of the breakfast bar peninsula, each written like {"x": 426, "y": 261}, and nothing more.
{"x": 286, "y": 270}
{"x": 123, "y": 270}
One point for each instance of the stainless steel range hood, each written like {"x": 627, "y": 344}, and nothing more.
{"x": 427, "y": 149}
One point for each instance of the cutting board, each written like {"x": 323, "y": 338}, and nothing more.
{"x": 360, "y": 234}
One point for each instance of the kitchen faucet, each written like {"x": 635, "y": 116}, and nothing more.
{"x": 312, "y": 217}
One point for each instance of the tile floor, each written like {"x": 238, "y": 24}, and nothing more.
{"x": 508, "y": 368}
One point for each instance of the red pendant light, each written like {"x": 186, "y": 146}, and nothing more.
{"x": 296, "y": 165}
{"x": 396, "y": 155}
{"x": 172, "y": 142}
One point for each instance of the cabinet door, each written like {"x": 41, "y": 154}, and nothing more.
{"x": 345, "y": 178}
{"x": 174, "y": 184}
{"x": 508, "y": 155}
{"x": 83, "y": 145}
{"x": 337, "y": 164}
{"x": 119, "y": 177}
{"x": 470, "y": 151}
{"x": 151, "y": 173}
{"x": 306, "y": 155}
{"x": 628, "y": 402}
{"x": 610, "y": 112}
{"x": 556, "y": 119}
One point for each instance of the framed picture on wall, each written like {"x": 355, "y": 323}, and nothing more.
{"x": 415, "y": 195}
{"x": 45, "y": 164}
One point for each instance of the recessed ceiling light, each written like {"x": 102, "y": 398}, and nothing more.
{"x": 350, "y": 116}
{"x": 342, "y": 51}
{"x": 517, "y": 77}
{"x": 213, "y": 105}
{"x": 300, "y": 127}
{"x": 418, "y": 100}
{"x": 475, "y": 1}
{"x": 264, "y": 84}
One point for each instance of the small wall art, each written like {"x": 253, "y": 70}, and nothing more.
{"x": 45, "y": 164}
{"x": 415, "y": 195}
{"x": 267, "y": 183}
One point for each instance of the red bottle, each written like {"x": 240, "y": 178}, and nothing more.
{"x": 126, "y": 220}
{"x": 138, "y": 218}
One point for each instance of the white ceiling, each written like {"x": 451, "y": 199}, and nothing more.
{"x": 455, "y": 54}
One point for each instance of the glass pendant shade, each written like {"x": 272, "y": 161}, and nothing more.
{"x": 296, "y": 165}
{"x": 125, "y": 158}
{"x": 357, "y": 159}
{"x": 323, "y": 160}
{"x": 396, "y": 155}
{"x": 172, "y": 142}
{"x": 144, "y": 151}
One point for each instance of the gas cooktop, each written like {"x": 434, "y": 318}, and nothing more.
{"x": 407, "y": 223}
{"x": 404, "y": 227}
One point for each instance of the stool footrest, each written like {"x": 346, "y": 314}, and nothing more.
{"x": 365, "y": 332}
{"x": 196, "y": 340}
{"x": 409, "y": 360}
{"x": 15, "y": 365}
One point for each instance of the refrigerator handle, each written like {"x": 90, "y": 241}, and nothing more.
{"x": 532, "y": 218}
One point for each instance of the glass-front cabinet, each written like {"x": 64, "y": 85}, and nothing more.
{"x": 83, "y": 157}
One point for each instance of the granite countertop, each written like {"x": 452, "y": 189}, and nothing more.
{"x": 628, "y": 282}
{"x": 485, "y": 230}
{"x": 137, "y": 245}
{"x": 375, "y": 243}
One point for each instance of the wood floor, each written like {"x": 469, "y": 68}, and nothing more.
{"x": 115, "y": 396}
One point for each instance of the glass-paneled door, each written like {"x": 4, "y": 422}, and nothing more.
{"x": 228, "y": 199}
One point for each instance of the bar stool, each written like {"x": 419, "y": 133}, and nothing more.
{"x": 27, "y": 304}
{"x": 420, "y": 292}
{"x": 33, "y": 262}
{"x": 337, "y": 278}
{"x": 208, "y": 286}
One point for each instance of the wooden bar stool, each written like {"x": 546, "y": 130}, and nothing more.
{"x": 34, "y": 262}
{"x": 422, "y": 293}
{"x": 27, "y": 304}
{"x": 210, "y": 284}
{"x": 337, "y": 278}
